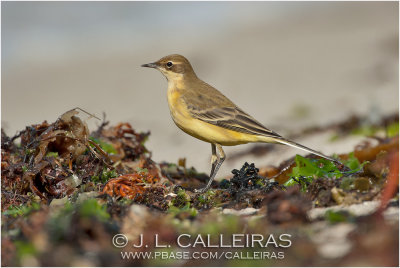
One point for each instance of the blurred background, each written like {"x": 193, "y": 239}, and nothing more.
{"x": 289, "y": 64}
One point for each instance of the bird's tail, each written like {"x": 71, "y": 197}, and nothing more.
{"x": 302, "y": 147}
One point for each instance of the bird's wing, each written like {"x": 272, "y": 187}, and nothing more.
{"x": 218, "y": 110}
{"x": 233, "y": 118}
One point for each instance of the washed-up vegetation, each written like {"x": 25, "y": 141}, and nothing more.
{"x": 66, "y": 192}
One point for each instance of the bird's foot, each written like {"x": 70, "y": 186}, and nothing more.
{"x": 201, "y": 190}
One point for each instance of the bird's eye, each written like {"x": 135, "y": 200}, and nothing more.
{"x": 169, "y": 64}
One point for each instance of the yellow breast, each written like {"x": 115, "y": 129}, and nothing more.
{"x": 200, "y": 129}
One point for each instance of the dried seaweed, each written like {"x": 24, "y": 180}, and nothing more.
{"x": 105, "y": 182}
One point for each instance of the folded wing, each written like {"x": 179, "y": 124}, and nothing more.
{"x": 232, "y": 118}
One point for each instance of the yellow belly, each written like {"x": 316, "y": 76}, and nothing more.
{"x": 212, "y": 134}
{"x": 203, "y": 130}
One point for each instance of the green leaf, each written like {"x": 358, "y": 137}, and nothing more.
{"x": 366, "y": 130}
{"x": 290, "y": 182}
{"x": 91, "y": 208}
{"x": 24, "y": 248}
{"x": 52, "y": 154}
{"x": 175, "y": 211}
{"x": 393, "y": 130}
{"x": 182, "y": 199}
{"x": 21, "y": 210}
{"x": 104, "y": 176}
{"x": 338, "y": 216}
{"x": 306, "y": 170}
{"x": 142, "y": 170}
{"x": 314, "y": 168}
{"x": 107, "y": 147}
{"x": 353, "y": 163}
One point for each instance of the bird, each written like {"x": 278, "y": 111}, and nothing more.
{"x": 203, "y": 112}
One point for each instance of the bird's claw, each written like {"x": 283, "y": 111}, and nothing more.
{"x": 200, "y": 191}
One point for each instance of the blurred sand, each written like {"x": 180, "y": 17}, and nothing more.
{"x": 290, "y": 65}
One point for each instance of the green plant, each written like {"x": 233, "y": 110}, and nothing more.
{"x": 104, "y": 176}
{"x": 107, "y": 147}
{"x": 393, "y": 130}
{"x": 207, "y": 198}
{"x": 186, "y": 210}
{"x": 338, "y": 216}
{"x": 306, "y": 170}
{"x": 91, "y": 208}
{"x": 21, "y": 210}
{"x": 24, "y": 248}
{"x": 52, "y": 154}
{"x": 181, "y": 199}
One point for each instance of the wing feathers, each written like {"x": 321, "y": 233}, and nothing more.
{"x": 209, "y": 105}
{"x": 233, "y": 118}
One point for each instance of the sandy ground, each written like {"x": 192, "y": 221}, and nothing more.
{"x": 310, "y": 66}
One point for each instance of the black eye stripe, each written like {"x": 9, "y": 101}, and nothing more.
{"x": 169, "y": 64}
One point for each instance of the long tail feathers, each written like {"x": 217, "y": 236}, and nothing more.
{"x": 302, "y": 147}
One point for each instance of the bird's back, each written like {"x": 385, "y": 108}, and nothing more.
{"x": 202, "y": 96}
{"x": 206, "y": 103}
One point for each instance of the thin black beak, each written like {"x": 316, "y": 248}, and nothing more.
{"x": 150, "y": 65}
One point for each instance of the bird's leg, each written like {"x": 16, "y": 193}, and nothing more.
{"x": 217, "y": 158}
{"x": 214, "y": 158}
{"x": 221, "y": 157}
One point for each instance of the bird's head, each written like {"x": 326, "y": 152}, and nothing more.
{"x": 173, "y": 67}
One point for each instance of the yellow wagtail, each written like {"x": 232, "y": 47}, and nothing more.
{"x": 205, "y": 113}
